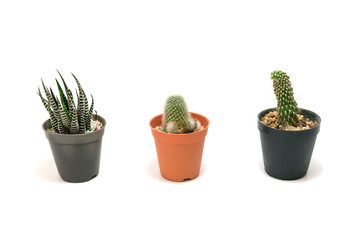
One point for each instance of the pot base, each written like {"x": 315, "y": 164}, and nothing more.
{"x": 180, "y": 179}
{"x": 281, "y": 176}
{"x": 78, "y": 180}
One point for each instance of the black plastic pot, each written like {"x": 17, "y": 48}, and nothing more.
{"x": 287, "y": 154}
{"x": 77, "y": 156}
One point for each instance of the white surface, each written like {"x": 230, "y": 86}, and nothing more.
{"x": 219, "y": 55}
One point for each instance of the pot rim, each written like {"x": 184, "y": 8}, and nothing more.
{"x": 75, "y": 139}
{"x": 318, "y": 120}
{"x": 185, "y": 138}
{"x": 181, "y": 134}
{"x": 74, "y": 135}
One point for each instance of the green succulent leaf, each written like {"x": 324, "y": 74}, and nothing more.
{"x": 89, "y": 117}
{"x": 68, "y": 91}
{"x": 54, "y": 98}
{"x": 74, "y": 126}
{"x": 53, "y": 119}
{"x": 64, "y": 101}
{"x": 81, "y": 107}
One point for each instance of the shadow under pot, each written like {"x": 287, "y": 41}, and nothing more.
{"x": 287, "y": 154}
{"x": 179, "y": 155}
{"x": 77, "y": 156}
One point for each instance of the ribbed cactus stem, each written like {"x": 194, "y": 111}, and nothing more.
{"x": 176, "y": 118}
{"x": 286, "y": 105}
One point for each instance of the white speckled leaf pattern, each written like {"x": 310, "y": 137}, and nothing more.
{"x": 72, "y": 120}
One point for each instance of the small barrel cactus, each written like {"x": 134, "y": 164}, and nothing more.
{"x": 286, "y": 105}
{"x": 176, "y": 118}
{"x": 65, "y": 118}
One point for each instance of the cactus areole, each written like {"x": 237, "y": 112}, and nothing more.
{"x": 286, "y": 105}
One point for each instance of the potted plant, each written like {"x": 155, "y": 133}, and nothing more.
{"x": 287, "y": 133}
{"x": 74, "y": 133}
{"x": 179, "y": 138}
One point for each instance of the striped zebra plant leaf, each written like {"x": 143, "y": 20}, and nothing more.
{"x": 65, "y": 118}
{"x": 52, "y": 104}
{"x": 77, "y": 95}
{"x": 89, "y": 117}
{"x": 77, "y": 81}
{"x": 60, "y": 127}
{"x": 64, "y": 101}
{"x": 50, "y": 98}
{"x": 54, "y": 98}
{"x": 68, "y": 91}
{"x": 80, "y": 107}
{"x": 74, "y": 127}
{"x": 52, "y": 101}
{"x": 87, "y": 126}
{"x": 70, "y": 96}
{"x": 81, "y": 114}
{"x": 46, "y": 90}
{"x": 53, "y": 119}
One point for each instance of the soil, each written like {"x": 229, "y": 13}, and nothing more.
{"x": 270, "y": 119}
{"x": 159, "y": 128}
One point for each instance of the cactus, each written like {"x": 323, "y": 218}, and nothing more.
{"x": 286, "y": 105}
{"x": 65, "y": 118}
{"x": 176, "y": 118}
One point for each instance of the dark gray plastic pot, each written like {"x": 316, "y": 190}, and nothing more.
{"x": 287, "y": 154}
{"x": 77, "y": 156}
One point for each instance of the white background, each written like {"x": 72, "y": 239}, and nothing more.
{"x": 219, "y": 55}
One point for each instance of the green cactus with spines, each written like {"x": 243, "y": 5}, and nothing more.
{"x": 65, "y": 118}
{"x": 176, "y": 118}
{"x": 286, "y": 105}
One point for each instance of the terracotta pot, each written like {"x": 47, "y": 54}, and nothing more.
{"x": 179, "y": 155}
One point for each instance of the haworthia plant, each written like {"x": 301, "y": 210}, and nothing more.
{"x": 176, "y": 118}
{"x": 286, "y": 105}
{"x": 65, "y": 118}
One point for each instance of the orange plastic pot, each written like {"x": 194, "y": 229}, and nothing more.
{"x": 179, "y": 155}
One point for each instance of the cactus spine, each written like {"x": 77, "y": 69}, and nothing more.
{"x": 176, "y": 118}
{"x": 64, "y": 117}
{"x": 286, "y": 105}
